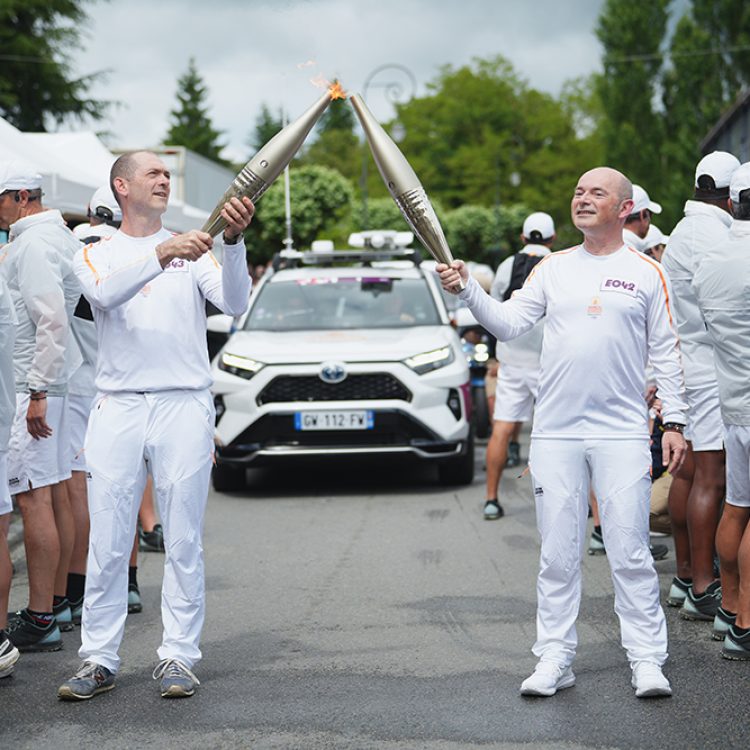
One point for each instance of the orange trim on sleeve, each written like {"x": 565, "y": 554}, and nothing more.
{"x": 658, "y": 270}
{"x": 213, "y": 258}
{"x": 545, "y": 259}
{"x": 89, "y": 263}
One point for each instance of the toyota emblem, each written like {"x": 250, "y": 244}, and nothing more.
{"x": 332, "y": 372}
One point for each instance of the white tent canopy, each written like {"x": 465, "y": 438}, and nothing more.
{"x": 73, "y": 166}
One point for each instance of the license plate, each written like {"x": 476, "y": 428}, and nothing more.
{"x": 334, "y": 420}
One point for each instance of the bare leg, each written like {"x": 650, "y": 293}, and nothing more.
{"x": 42, "y": 545}
{"x": 703, "y": 511}
{"x": 743, "y": 604}
{"x": 677, "y": 503}
{"x": 594, "y": 508}
{"x": 66, "y": 532}
{"x": 80, "y": 509}
{"x": 729, "y": 536}
{"x": 147, "y": 513}
{"x": 497, "y": 454}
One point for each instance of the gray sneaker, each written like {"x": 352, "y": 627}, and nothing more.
{"x": 703, "y": 607}
{"x": 90, "y": 680}
{"x": 8, "y": 655}
{"x": 722, "y": 622}
{"x": 177, "y": 681}
{"x": 677, "y": 592}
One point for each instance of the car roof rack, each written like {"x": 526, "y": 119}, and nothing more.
{"x": 295, "y": 258}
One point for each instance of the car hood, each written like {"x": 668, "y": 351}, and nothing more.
{"x": 370, "y": 345}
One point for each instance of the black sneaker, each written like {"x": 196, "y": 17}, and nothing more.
{"x": 90, "y": 680}
{"x": 722, "y": 622}
{"x": 64, "y": 616}
{"x": 677, "y": 592}
{"x": 596, "y": 544}
{"x": 703, "y": 607}
{"x": 76, "y": 611}
{"x": 658, "y": 551}
{"x": 493, "y": 510}
{"x": 514, "y": 455}
{"x": 8, "y": 655}
{"x": 151, "y": 541}
{"x": 736, "y": 647}
{"x": 134, "y": 599}
{"x": 27, "y": 635}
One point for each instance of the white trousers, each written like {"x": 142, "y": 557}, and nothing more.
{"x": 168, "y": 434}
{"x": 619, "y": 471}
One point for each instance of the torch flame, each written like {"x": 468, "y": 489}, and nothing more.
{"x": 336, "y": 91}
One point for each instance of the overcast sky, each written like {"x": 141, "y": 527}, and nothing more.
{"x": 254, "y": 51}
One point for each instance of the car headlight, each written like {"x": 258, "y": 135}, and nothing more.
{"x": 432, "y": 360}
{"x": 243, "y": 367}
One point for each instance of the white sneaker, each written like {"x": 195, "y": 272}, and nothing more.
{"x": 649, "y": 681}
{"x": 547, "y": 679}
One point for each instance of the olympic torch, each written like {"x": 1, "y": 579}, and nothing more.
{"x": 258, "y": 174}
{"x": 403, "y": 185}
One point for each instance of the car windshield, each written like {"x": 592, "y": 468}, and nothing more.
{"x": 345, "y": 302}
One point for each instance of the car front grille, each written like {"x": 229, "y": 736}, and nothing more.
{"x": 356, "y": 387}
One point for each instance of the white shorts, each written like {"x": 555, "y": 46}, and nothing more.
{"x": 515, "y": 393}
{"x": 79, "y": 408}
{"x": 6, "y": 504}
{"x": 737, "y": 443}
{"x": 39, "y": 463}
{"x": 704, "y": 428}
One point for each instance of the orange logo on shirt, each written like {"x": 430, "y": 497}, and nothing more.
{"x": 594, "y": 310}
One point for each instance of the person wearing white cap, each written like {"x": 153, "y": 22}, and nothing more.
{"x": 698, "y": 488}
{"x": 518, "y": 375}
{"x": 654, "y": 243}
{"x": 153, "y": 414}
{"x": 104, "y": 217}
{"x": 607, "y": 313}
{"x": 38, "y": 268}
{"x": 722, "y": 286}
{"x": 637, "y": 224}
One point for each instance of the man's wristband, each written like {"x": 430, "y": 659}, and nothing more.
{"x": 232, "y": 241}
{"x": 673, "y": 427}
{"x": 37, "y": 395}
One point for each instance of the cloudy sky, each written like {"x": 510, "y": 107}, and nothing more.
{"x": 251, "y": 52}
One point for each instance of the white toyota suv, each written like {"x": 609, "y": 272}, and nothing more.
{"x": 343, "y": 352}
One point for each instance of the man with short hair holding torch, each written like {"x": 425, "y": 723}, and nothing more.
{"x": 607, "y": 313}
{"x": 153, "y": 414}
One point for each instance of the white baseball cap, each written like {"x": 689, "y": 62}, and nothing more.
{"x": 540, "y": 223}
{"x": 18, "y": 175}
{"x": 740, "y": 181}
{"x": 654, "y": 237}
{"x": 720, "y": 165}
{"x": 642, "y": 201}
{"x": 103, "y": 199}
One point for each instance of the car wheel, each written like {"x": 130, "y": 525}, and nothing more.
{"x": 228, "y": 478}
{"x": 460, "y": 469}
{"x": 481, "y": 415}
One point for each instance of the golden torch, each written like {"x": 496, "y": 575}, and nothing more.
{"x": 403, "y": 185}
{"x": 258, "y": 174}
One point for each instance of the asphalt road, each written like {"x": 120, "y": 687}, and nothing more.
{"x": 368, "y": 607}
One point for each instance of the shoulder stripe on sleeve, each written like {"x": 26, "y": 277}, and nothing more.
{"x": 658, "y": 270}
{"x": 89, "y": 263}
{"x": 213, "y": 258}
{"x": 546, "y": 259}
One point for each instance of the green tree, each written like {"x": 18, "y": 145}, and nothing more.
{"x": 321, "y": 204}
{"x": 631, "y": 35}
{"x": 190, "y": 123}
{"x": 266, "y": 127}
{"x": 382, "y": 213}
{"x": 37, "y": 38}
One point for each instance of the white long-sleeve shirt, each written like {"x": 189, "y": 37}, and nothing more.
{"x": 151, "y": 322}
{"x": 703, "y": 227}
{"x": 7, "y": 380}
{"x": 525, "y": 350}
{"x": 606, "y": 316}
{"x": 722, "y": 288}
{"x": 38, "y": 268}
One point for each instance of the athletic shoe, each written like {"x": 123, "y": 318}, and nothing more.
{"x": 134, "y": 599}
{"x": 8, "y": 655}
{"x": 27, "y": 635}
{"x": 736, "y": 647}
{"x": 703, "y": 607}
{"x": 151, "y": 541}
{"x": 493, "y": 510}
{"x": 76, "y": 611}
{"x": 90, "y": 680}
{"x": 722, "y": 623}
{"x": 596, "y": 544}
{"x": 514, "y": 455}
{"x": 658, "y": 551}
{"x": 649, "y": 681}
{"x": 547, "y": 679}
{"x": 677, "y": 592}
{"x": 177, "y": 681}
{"x": 63, "y": 615}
